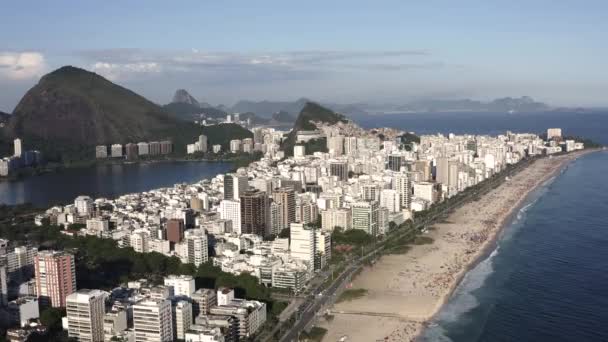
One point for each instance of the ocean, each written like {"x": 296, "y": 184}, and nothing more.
{"x": 593, "y": 125}
{"x": 547, "y": 278}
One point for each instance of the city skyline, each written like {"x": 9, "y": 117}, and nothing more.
{"x": 339, "y": 52}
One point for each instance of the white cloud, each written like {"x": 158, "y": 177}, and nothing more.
{"x": 118, "y": 71}
{"x": 22, "y": 65}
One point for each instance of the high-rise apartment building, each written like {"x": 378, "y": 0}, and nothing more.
{"x": 395, "y": 162}
{"x": 231, "y": 210}
{"x": 365, "y": 216}
{"x": 18, "y": 147}
{"x": 336, "y": 217}
{"x": 194, "y": 248}
{"x": 84, "y": 205}
{"x": 175, "y": 230}
{"x": 202, "y": 143}
{"x": 286, "y": 198}
{"x": 302, "y": 243}
{"x": 182, "y": 318}
{"x": 153, "y": 321}
{"x": 402, "y": 182}
{"x": 389, "y": 198}
{"x": 85, "y": 314}
{"x": 442, "y": 170}
{"x": 370, "y": 192}
{"x": 255, "y": 213}
{"x": 339, "y": 169}
{"x": 55, "y": 277}
{"x": 234, "y": 186}
{"x": 424, "y": 167}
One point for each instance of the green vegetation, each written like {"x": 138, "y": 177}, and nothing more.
{"x": 422, "y": 240}
{"x": 354, "y": 237}
{"x": 351, "y": 294}
{"x": 222, "y": 134}
{"x": 407, "y": 139}
{"x": 315, "y": 334}
{"x": 315, "y": 145}
{"x": 310, "y": 112}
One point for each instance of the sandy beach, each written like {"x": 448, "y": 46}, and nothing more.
{"x": 406, "y": 290}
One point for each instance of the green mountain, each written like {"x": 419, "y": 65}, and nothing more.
{"x": 71, "y": 110}
{"x": 312, "y": 112}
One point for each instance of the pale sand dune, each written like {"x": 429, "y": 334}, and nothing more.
{"x": 406, "y": 290}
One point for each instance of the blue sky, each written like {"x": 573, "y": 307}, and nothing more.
{"x": 341, "y": 51}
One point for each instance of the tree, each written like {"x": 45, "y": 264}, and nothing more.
{"x": 285, "y": 233}
{"x": 51, "y": 318}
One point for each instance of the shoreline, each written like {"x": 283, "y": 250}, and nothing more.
{"x": 56, "y": 168}
{"x": 408, "y": 317}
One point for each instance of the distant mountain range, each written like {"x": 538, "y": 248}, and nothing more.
{"x": 524, "y": 104}
{"x": 506, "y": 104}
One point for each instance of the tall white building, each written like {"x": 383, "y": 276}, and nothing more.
{"x": 202, "y": 143}
{"x": 302, "y": 243}
{"x": 84, "y": 205}
{"x": 193, "y": 250}
{"x": 551, "y": 133}
{"x": 389, "y": 199}
{"x": 182, "y": 285}
{"x": 235, "y": 146}
{"x": 231, "y": 210}
{"x": 18, "y": 147}
{"x": 338, "y": 217}
{"x": 424, "y": 190}
{"x": 153, "y": 321}
{"x": 182, "y": 318}
{"x": 403, "y": 184}
{"x": 299, "y": 151}
{"x": 85, "y": 312}
{"x": 365, "y": 217}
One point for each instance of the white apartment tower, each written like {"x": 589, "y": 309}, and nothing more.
{"x": 390, "y": 199}
{"x": 365, "y": 216}
{"x": 231, "y": 210}
{"x": 302, "y": 243}
{"x": 403, "y": 184}
{"x": 153, "y": 321}
{"x": 18, "y": 147}
{"x": 85, "y": 313}
{"x": 84, "y": 205}
{"x": 195, "y": 247}
{"x": 182, "y": 285}
{"x": 182, "y": 318}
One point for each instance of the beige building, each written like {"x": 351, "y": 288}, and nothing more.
{"x": 85, "y": 314}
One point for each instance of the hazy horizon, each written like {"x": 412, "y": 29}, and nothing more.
{"x": 342, "y": 52}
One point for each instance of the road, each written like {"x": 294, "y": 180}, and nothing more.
{"x": 309, "y": 309}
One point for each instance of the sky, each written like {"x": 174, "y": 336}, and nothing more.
{"x": 333, "y": 51}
